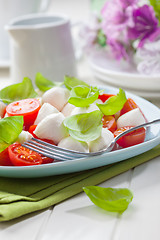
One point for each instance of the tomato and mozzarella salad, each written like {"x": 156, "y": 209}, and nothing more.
{"x": 71, "y": 115}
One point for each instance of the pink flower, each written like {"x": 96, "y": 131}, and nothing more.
{"x": 127, "y": 3}
{"x": 118, "y": 49}
{"x": 145, "y": 25}
{"x": 116, "y": 20}
{"x": 88, "y": 33}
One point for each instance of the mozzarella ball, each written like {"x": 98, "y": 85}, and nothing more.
{"x": 91, "y": 108}
{"x": 24, "y": 136}
{"x": 2, "y": 109}
{"x": 98, "y": 101}
{"x": 57, "y": 97}
{"x": 102, "y": 142}
{"x": 78, "y": 110}
{"x": 68, "y": 108}
{"x": 52, "y": 128}
{"x": 44, "y": 111}
{"x": 131, "y": 118}
{"x": 72, "y": 144}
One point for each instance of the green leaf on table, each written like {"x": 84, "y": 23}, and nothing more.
{"x": 83, "y": 96}
{"x": 10, "y": 128}
{"x": 18, "y": 91}
{"x": 71, "y": 82}
{"x": 45, "y": 84}
{"x": 110, "y": 199}
{"x": 156, "y": 5}
{"x": 84, "y": 127}
{"x": 113, "y": 104}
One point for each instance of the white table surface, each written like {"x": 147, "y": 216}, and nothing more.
{"x": 78, "y": 218}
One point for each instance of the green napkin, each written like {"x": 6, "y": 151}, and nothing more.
{"x": 21, "y": 196}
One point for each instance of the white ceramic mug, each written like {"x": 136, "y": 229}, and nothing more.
{"x": 41, "y": 43}
{"x": 10, "y": 9}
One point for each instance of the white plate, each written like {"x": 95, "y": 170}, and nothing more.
{"x": 114, "y": 83}
{"x": 122, "y": 74}
{"x": 151, "y": 112}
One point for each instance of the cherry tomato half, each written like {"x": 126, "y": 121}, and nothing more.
{"x": 128, "y": 106}
{"x": 131, "y": 139}
{"x": 4, "y": 158}
{"x": 109, "y": 122}
{"x": 46, "y": 160}
{"x": 104, "y": 97}
{"x": 28, "y": 108}
{"x": 21, "y": 156}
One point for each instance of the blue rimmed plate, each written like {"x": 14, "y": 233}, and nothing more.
{"x": 153, "y": 138}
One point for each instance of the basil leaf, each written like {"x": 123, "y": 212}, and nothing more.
{"x": 3, "y": 145}
{"x": 110, "y": 199}
{"x": 82, "y": 96}
{"x": 10, "y": 128}
{"x": 88, "y": 136}
{"x": 84, "y": 127}
{"x": 71, "y": 82}
{"x": 18, "y": 91}
{"x": 156, "y": 5}
{"x": 113, "y": 104}
{"x": 44, "y": 84}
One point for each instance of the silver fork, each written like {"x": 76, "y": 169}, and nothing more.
{"x": 62, "y": 154}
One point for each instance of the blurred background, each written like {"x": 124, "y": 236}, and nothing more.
{"x": 78, "y": 12}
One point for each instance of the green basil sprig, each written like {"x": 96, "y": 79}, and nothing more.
{"x": 110, "y": 199}
{"x": 83, "y": 96}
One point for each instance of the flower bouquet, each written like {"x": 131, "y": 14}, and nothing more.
{"x": 128, "y": 30}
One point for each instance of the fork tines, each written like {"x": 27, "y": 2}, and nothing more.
{"x": 52, "y": 151}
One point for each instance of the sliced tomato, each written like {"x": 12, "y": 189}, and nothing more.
{"x": 128, "y": 106}
{"x": 28, "y": 108}
{"x": 31, "y": 130}
{"x": 21, "y": 156}
{"x": 109, "y": 122}
{"x": 104, "y": 97}
{"x": 4, "y": 158}
{"x": 130, "y": 139}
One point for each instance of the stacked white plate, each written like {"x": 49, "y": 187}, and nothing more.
{"x": 124, "y": 75}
